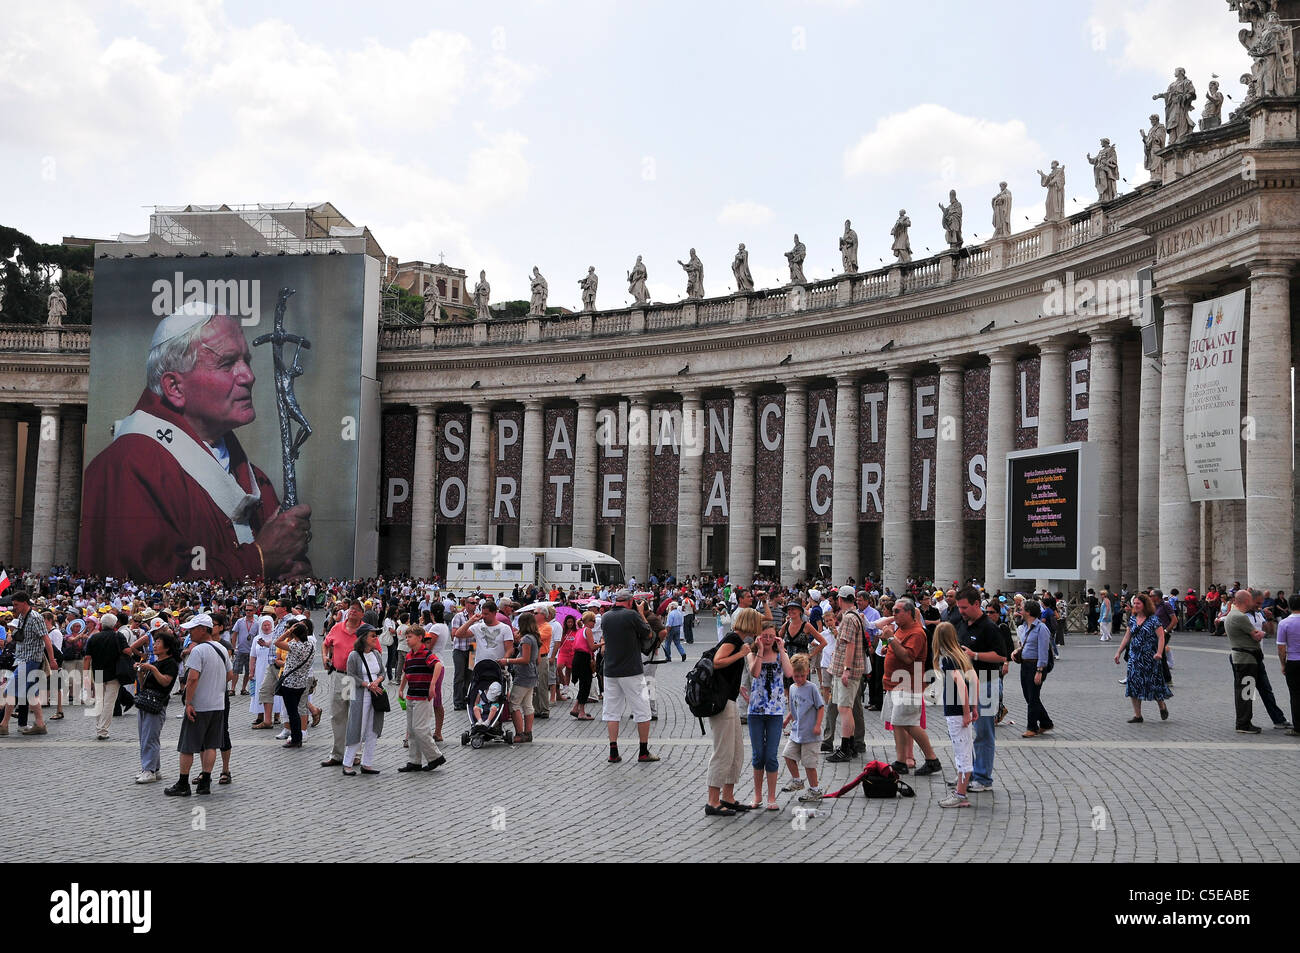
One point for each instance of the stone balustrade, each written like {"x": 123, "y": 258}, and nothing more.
{"x": 39, "y": 337}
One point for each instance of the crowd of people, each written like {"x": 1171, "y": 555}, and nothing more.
{"x": 794, "y": 667}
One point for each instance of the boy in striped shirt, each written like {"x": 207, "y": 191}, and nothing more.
{"x": 421, "y": 677}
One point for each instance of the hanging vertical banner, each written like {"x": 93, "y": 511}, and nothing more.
{"x": 1212, "y": 405}
{"x": 1077, "y": 368}
{"x": 769, "y": 427}
{"x": 716, "y": 470}
{"x": 821, "y": 454}
{"x": 1027, "y": 403}
{"x": 975, "y": 443}
{"x": 397, "y": 451}
{"x": 559, "y": 436}
{"x": 611, "y": 472}
{"x": 665, "y": 447}
{"x": 506, "y": 463}
{"x": 451, "y": 460}
{"x": 925, "y": 424}
{"x": 872, "y": 417}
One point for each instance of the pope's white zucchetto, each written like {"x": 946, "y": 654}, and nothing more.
{"x": 190, "y": 315}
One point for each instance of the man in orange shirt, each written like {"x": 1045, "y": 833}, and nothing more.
{"x": 335, "y": 649}
{"x": 904, "y": 683}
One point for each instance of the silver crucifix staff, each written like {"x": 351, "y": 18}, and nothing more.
{"x": 286, "y": 402}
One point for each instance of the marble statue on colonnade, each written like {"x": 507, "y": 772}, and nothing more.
{"x": 740, "y": 268}
{"x": 588, "y": 286}
{"x": 1054, "y": 182}
{"x": 694, "y": 275}
{"x": 1252, "y": 93}
{"x": 952, "y": 220}
{"x": 1270, "y": 43}
{"x": 795, "y": 256}
{"x": 1178, "y": 98}
{"x": 849, "y": 248}
{"x": 56, "y": 308}
{"x": 1002, "y": 212}
{"x": 482, "y": 292}
{"x": 902, "y": 247}
{"x": 1105, "y": 171}
{"x": 537, "y": 305}
{"x": 1212, "y": 111}
{"x": 430, "y": 301}
{"x": 1153, "y": 140}
{"x": 636, "y": 282}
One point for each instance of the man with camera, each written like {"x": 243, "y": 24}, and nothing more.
{"x": 209, "y": 668}
{"x": 625, "y": 629}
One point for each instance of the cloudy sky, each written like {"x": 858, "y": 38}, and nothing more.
{"x": 568, "y": 133}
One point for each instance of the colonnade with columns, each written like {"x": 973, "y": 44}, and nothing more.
{"x": 40, "y": 514}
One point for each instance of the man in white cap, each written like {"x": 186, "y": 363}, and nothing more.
{"x": 174, "y": 494}
{"x": 209, "y": 669}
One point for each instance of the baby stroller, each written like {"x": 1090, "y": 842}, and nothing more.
{"x": 486, "y": 673}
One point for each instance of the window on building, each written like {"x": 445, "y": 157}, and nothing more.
{"x": 442, "y": 287}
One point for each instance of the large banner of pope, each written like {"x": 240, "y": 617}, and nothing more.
{"x": 229, "y": 410}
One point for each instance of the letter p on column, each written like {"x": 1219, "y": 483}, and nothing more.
{"x": 399, "y": 491}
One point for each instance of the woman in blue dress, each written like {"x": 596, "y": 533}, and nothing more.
{"x": 1145, "y": 641}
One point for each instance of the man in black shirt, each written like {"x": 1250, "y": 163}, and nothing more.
{"x": 622, "y": 629}
{"x": 983, "y": 644}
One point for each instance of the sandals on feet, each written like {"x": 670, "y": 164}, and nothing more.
{"x": 225, "y": 778}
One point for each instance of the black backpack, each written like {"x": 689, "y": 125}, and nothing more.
{"x": 706, "y": 696}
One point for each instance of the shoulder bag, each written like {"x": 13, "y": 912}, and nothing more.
{"x": 378, "y": 700}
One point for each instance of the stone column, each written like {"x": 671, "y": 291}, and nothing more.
{"x": 1052, "y": 406}
{"x": 1148, "y": 477}
{"x": 1270, "y": 499}
{"x": 530, "y": 483}
{"x": 68, "y": 525}
{"x": 1180, "y": 523}
{"x": 690, "y": 467}
{"x": 636, "y": 531}
{"x": 422, "y": 493}
{"x": 794, "y": 485}
{"x": 8, "y": 481}
{"x": 1002, "y": 440}
{"x": 897, "y": 527}
{"x": 1130, "y": 404}
{"x": 1104, "y": 433}
{"x": 478, "y": 493}
{"x": 740, "y": 531}
{"x": 950, "y": 479}
{"x": 23, "y": 557}
{"x": 46, "y": 501}
{"x": 844, "y": 497}
{"x": 584, "y": 476}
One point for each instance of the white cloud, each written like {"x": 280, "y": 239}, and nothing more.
{"x": 744, "y": 213}
{"x": 955, "y": 151}
{"x": 1155, "y": 36}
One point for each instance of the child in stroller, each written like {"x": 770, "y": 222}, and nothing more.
{"x": 488, "y": 698}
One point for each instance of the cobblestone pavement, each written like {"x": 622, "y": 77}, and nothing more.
{"x": 1098, "y": 789}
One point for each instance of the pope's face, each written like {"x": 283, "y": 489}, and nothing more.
{"x": 217, "y": 395}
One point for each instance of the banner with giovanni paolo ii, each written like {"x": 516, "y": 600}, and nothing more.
{"x": 1212, "y": 405}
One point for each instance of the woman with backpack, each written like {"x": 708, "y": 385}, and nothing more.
{"x": 1036, "y": 661}
{"x": 728, "y": 744}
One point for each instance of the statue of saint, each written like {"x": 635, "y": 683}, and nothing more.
{"x": 849, "y": 248}
{"x": 1153, "y": 140}
{"x": 694, "y": 275}
{"x": 740, "y": 268}
{"x": 1105, "y": 171}
{"x": 588, "y": 286}
{"x": 1054, "y": 182}
{"x": 1178, "y": 106}
{"x": 430, "y": 301}
{"x": 1002, "y": 212}
{"x": 56, "y": 308}
{"x": 1267, "y": 45}
{"x": 902, "y": 244}
{"x": 537, "y": 306}
{"x": 952, "y": 220}
{"x": 1212, "y": 111}
{"x": 795, "y": 257}
{"x": 482, "y": 292}
{"x": 636, "y": 283}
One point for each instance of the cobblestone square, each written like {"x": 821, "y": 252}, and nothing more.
{"x": 1097, "y": 789}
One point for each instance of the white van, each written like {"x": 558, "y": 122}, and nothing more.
{"x": 498, "y": 568}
